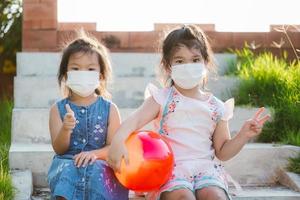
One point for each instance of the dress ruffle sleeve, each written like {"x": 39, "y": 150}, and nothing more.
{"x": 228, "y": 110}
{"x": 159, "y": 94}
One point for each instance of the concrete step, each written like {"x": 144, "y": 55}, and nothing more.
{"x": 22, "y": 183}
{"x": 257, "y": 164}
{"x": 33, "y": 157}
{"x": 124, "y": 64}
{"x": 254, "y": 193}
{"x": 266, "y": 193}
{"x": 30, "y": 125}
{"x": 248, "y": 193}
{"x": 25, "y": 128}
{"x": 41, "y": 92}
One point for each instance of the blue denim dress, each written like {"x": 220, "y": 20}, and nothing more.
{"x": 92, "y": 182}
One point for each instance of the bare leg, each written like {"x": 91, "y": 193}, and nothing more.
{"x": 180, "y": 194}
{"x": 211, "y": 193}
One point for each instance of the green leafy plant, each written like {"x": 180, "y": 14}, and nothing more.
{"x": 294, "y": 164}
{"x": 6, "y": 189}
{"x": 10, "y": 34}
{"x": 267, "y": 80}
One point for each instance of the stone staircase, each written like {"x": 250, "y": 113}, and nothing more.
{"x": 36, "y": 88}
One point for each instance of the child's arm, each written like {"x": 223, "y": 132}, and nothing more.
{"x": 60, "y": 131}
{"x": 142, "y": 116}
{"x": 88, "y": 157}
{"x": 225, "y": 147}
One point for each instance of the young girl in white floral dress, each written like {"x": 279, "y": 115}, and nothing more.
{"x": 195, "y": 123}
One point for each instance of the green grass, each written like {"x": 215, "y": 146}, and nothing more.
{"x": 267, "y": 80}
{"x": 6, "y": 189}
{"x": 245, "y": 58}
{"x": 294, "y": 164}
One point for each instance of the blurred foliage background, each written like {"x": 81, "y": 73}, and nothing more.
{"x": 10, "y": 34}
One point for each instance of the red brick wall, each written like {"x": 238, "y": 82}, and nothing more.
{"x": 39, "y": 25}
{"x": 42, "y": 32}
{"x": 77, "y": 26}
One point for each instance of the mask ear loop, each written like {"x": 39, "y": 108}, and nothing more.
{"x": 204, "y": 81}
{"x": 169, "y": 82}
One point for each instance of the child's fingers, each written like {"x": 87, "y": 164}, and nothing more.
{"x": 251, "y": 123}
{"x": 70, "y": 128}
{"x": 86, "y": 161}
{"x": 262, "y": 120}
{"x": 256, "y": 129}
{"x": 93, "y": 159}
{"x": 258, "y": 113}
{"x": 117, "y": 166}
{"x": 114, "y": 165}
{"x": 76, "y": 157}
{"x": 69, "y": 110}
{"x": 69, "y": 116}
{"x": 69, "y": 125}
{"x": 81, "y": 160}
{"x": 69, "y": 119}
{"x": 70, "y": 122}
{"x": 126, "y": 157}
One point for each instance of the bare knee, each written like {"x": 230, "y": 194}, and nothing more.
{"x": 211, "y": 193}
{"x": 182, "y": 194}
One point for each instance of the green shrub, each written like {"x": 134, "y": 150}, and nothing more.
{"x": 267, "y": 80}
{"x": 294, "y": 164}
{"x": 6, "y": 189}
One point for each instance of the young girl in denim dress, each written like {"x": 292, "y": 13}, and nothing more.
{"x": 194, "y": 122}
{"x": 82, "y": 126}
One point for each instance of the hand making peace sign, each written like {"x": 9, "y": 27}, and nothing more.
{"x": 252, "y": 127}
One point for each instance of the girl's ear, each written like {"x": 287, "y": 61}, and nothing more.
{"x": 168, "y": 70}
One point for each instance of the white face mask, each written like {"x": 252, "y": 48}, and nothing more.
{"x": 83, "y": 83}
{"x": 188, "y": 76}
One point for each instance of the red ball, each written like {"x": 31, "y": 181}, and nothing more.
{"x": 151, "y": 162}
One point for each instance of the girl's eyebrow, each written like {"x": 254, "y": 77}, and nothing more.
{"x": 93, "y": 64}
{"x": 176, "y": 57}
{"x": 197, "y": 56}
{"x": 73, "y": 63}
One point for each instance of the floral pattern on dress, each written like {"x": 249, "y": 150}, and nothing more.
{"x": 172, "y": 101}
{"x": 215, "y": 110}
{"x": 98, "y": 133}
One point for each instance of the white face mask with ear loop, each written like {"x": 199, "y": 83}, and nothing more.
{"x": 188, "y": 76}
{"x": 83, "y": 83}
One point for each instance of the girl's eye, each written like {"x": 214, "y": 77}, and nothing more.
{"x": 92, "y": 69}
{"x": 178, "y": 61}
{"x": 74, "y": 68}
{"x": 196, "y": 60}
